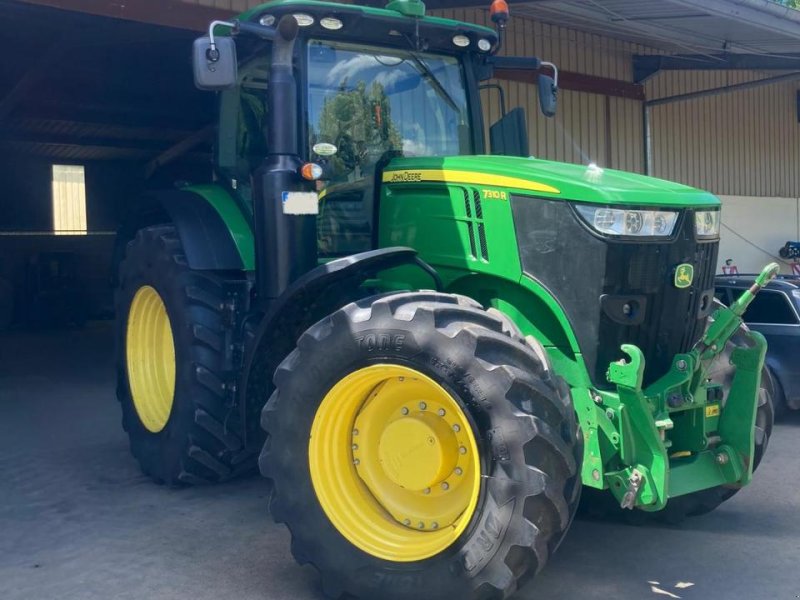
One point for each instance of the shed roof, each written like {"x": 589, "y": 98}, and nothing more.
{"x": 759, "y": 27}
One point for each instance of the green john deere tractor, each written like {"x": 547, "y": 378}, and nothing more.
{"x": 448, "y": 340}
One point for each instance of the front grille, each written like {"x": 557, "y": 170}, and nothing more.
{"x": 616, "y": 292}
{"x": 672, "y": 319}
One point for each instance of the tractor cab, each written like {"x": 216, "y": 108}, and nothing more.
{"x": 371, "y": 85}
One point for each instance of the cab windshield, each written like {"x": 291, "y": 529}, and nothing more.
{"x": 365, "y": 102}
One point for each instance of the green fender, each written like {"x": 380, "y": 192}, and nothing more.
{"x": 231, "y": 218}
{"x": 536, "y": 313}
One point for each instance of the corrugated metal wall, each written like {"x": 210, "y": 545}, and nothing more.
{"x": 587, "y": 127}
{"x": 743, "y": 143}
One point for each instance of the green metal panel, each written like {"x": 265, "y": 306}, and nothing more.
{"x": 231, "y": 214}
{"x": 456, "y": 213}
{"x": 548, "y": 179}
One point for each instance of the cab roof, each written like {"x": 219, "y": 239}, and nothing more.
{"x": 379, "y": 24}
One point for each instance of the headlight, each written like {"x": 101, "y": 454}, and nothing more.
{"x": 625, "y": 222}
{"x": 706, "y": 223}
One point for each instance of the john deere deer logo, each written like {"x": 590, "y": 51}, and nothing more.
{"x": 684, "y": 274}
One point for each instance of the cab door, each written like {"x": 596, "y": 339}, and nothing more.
{"x": 242, "y": 133}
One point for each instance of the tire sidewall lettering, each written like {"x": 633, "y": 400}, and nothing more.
{"x": 486, "y": 538}
{"x": 373, "y": 342}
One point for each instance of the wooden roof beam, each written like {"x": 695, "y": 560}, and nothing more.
{"x": 167, "y": 13}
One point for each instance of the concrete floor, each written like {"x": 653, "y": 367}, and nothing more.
{"x": 77, "y": 520}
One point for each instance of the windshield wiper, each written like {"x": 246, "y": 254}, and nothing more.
{"x": 434, "y": 81}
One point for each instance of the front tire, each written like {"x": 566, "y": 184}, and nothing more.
{"x": 171, "y": 377}
{"x": 420, "y": 449}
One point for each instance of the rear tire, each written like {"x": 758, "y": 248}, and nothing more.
{"x": 519, "y": 412}
{"x": 196, "y": 435}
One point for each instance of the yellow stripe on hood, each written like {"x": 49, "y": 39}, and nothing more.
{"x": 469, "y": 177}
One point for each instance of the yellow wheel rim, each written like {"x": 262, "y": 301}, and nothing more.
{"x": 394, "y": 463}
{"x": 150, "y": 357}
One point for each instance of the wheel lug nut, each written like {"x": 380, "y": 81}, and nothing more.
{"x": 445, "y": 485}
{"x": 421, "y": 525}
{"x": 401, "y": 378}
{"x": 355, "y": 431}
{"x": 404, "y": 410}
{"x": 459, "y": 471}
{"x": 426, "y": 491}
{"x": 440, "y": 412}
{"x": 406, "y": 522}
{"x": 434, "y": 525}
{"x": 356, "y": 462}
{"x": 462, "y": 450}
{"x": 355, "y": 446}
{"x": 456, "y": 428}
{"x": 422, "y": 406}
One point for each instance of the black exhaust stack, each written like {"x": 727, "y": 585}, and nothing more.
{"x": 286, "y": 245}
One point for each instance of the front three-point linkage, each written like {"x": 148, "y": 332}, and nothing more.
{"x": 643, "y": 479}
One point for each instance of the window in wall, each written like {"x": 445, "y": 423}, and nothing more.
{"x": 69, "y": 200}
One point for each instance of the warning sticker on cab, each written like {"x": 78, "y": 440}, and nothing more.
{"x": 712, "y": 410}
{"x": 300, "y": 203}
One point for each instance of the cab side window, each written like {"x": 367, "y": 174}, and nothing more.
{"x": 242, "y": 137}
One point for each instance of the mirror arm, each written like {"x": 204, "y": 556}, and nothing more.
{"x": 212, "y": 54}
{"x": 555, "y": 71}
{"x": 501, "y": 93}
{"x": 521, "y": 63}
{"x": 254, "y": 29}
{"x": 237, "y": 27}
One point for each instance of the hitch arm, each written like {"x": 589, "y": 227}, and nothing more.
{"x": 728, "y": 320}
{"x": 768, "y": 274}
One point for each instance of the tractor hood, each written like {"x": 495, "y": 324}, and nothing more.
{"x": 549, "y": 179}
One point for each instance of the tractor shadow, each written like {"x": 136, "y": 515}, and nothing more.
{"x": 745, "y": 549}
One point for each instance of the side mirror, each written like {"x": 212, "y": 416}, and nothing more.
{"x": 214, "y": 62}
{"x": 548, "y": 90}
{"x": 509, "y": 135}
{"x": 548, "y": 95}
